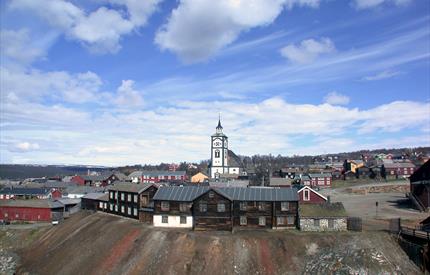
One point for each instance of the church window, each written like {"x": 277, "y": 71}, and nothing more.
{"x": 217, "y": 153}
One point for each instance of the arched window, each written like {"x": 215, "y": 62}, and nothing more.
{"x": 217, "y": 153}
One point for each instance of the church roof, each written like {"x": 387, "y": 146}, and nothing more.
{"x": 234, "y": 160}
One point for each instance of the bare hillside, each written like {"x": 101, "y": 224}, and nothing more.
{"x": 102, "y": 244}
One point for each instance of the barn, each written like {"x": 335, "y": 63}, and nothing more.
{"x": 308, "y": 195}
{"x": 31, "y": 210}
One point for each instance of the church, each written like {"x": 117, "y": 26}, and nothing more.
{"x": 223, "y": 161}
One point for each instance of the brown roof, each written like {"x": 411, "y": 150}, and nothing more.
{"x": 130, "y": 187}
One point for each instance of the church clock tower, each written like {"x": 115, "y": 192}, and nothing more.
{"x": 219, "y": 152}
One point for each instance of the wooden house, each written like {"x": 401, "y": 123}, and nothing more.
{"x": 31, "y": 210}
{"x": 420, "y": 186}
{"x": 173, "y": 205}
{"x": 320, "y": 179}
{"x": 308, "y": 195}
{"x": 95, "y": 201}
{"x": 207, "y": 208}
{"x": 132, "y": 200}
{"x": 12, "y": 192}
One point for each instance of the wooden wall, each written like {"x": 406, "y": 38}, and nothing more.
{"x": 252, "y": 214}
{"x": 212, "y": 219}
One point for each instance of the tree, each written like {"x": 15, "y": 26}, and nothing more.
{"x": 383, "y": 172}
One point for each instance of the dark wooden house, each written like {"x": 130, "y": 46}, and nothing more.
{"x": 208, "y": 208}
{"x": 420, "y": 186}
{"x": 132, "y": 200}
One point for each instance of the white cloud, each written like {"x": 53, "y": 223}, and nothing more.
{"x": 117, "y": 136}
{"x": 308, "y": 50}
{"x": 126, "y": 95}
{"x": 366, "y": 4}
{"x": 335, "y": 98}
{"x": 198, "y": 29}
{"x": 381, "y": 75}
{"x": 25, "y": 147}
{"x": 17, "y": 46}
{"x": 100, "y": 30}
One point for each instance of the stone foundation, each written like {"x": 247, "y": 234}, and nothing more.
{"x": 307, "y": 224}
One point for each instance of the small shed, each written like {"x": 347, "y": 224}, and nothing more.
{"x": 31, "y": 210}
{"x": 199, "y": 178}
{"x": 323, "y": 217}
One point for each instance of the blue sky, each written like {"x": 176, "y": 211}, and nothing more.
{"x": 115, "y": 82}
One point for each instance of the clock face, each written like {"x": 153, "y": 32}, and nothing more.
{"x": 217, "y": 143}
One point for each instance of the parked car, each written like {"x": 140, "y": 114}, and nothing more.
{"x": 55, "y": 222}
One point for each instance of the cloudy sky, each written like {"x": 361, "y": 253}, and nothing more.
{"x": 114, "y": 82}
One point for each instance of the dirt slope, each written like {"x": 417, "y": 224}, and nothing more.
{"x": 102, "y": 244}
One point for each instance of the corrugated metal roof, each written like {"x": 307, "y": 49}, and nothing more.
{"x": 180, "y": 193}
{"x": 189, "y": 193}
{"x": 24, "y": 191}
{"x": 321, "y": 175}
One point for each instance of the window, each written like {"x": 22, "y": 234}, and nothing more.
{"x": 165, "y": 206}
{"x": 111, "y": 195}
{"x": 221, "y": 207}
{"x": 290, "y": 220}
{"x": 116, "y": 208}
{"x": 280, "y": 220}
{"x": 135, "y": 198}
{"x": 129, "y": 210}
{"x": 100, "y": 204}
{"x": 111, "y": 207}
{"x": 122, "y": 196}
{"x": 116, "y": 195}
{"x": 262, "y": 221}
{"x": 330, "y": 223}
{"x": 144, "y": 200}
{"x": 164, "y": 219}
{"x": 122, "y": 209}
{"x": 261, "y": 206}
{"x": 203, "y": 207}
{"x": 211, "y": 194}
{"x": 105, "y": 205}
{"x": 183, "y": 220}
{"x": 6, "y": 215}
{"x": 129, "y": 197}
{"x": 317, "y": 222}
{"x": 284, "y": 206}
{"x": 242, "y": 206}
{"x": 217, "y": 153}
{"x": 135, "y": 211}
{"x": 306, "y": 195}
{"x": 183, "y": 207}
{"x": 243, "y": 220}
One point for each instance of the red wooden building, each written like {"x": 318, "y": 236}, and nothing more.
{"x": 31, "y": 210}
{"x": 320, "y": 179}
{"x": 11, "y": 193}
{"x": 308, "y": 195}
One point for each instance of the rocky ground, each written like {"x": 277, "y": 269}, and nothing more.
{"x": 104, "y": 244}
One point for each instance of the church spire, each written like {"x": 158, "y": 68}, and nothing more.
{"x": 219, "y": 127}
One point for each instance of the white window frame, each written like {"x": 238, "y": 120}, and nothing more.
{"x": 123, "y": 209}
{"x": 283, "y": 203}
{"x": 135, "y": 212}
{"x": 220, "y": 207}
{"x": 306, "y": 195}
{"x": 128, "y": 210}
{"x": 262, "y": 221}
{"x": 243, "y": 220}
{"x": 135, "y": 198}
{"x": 122, "y": 196}
{"x": 129, "y": 197}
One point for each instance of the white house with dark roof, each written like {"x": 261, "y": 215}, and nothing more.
{"x": 223, "y": 160}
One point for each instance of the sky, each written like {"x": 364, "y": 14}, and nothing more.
{"x": 118, "y": 82}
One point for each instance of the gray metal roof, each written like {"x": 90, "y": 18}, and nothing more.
{"x": 25, "y": 191}
{"x": 94, "y": 196}
{"x": 189, "y": 193}
{"x": 180, "y": 193}
{"x": 31, "y": 203}
{"x": 260, "y": 194}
